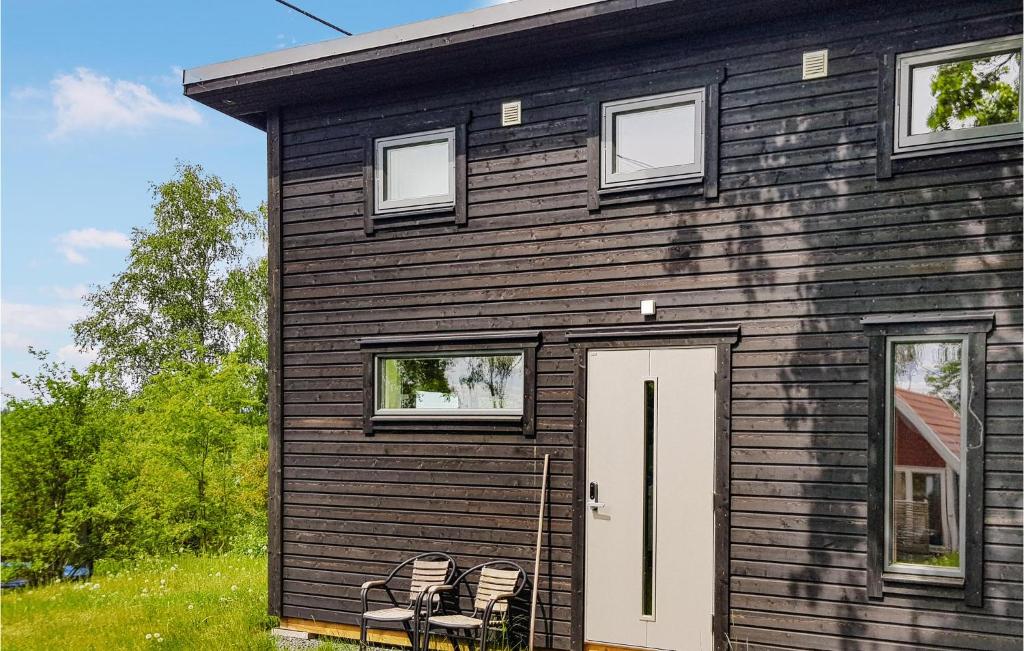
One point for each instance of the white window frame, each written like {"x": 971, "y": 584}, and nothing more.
{"x": 906, "y": 142}
{"x": 609, "y": 110}
{"x": 382, "y": 206}
{"x": 450, "y": 413}
{"x": 892, "y": 566}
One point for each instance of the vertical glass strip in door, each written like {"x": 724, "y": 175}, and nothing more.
{"x": 650, "y": 394}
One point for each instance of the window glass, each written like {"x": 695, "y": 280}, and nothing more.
{"x": 974, "y": 92}
{"x": 652, "y": 138}
{"x": 471, "y": 383}
{"x": 647, "y": 597}
{"x": 926, "y": 452}
{"x": 416, "y": 171}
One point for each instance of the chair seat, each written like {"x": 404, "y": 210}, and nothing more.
{"x": 389, "y": 614}
{"x": 456, "y": 621}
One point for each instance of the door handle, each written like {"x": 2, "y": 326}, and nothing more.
{"x": 592, "y": 503}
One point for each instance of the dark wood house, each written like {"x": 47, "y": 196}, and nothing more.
{"x": 700, "y": 253}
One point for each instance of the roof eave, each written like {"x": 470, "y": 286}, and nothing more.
{"x": 469, "y": 24}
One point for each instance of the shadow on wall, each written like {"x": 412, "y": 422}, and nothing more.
{"x": 798, "y": 248}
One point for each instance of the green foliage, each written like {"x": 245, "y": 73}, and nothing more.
{"x": 51, "y": 443}
{"x": 186, "y": 289}
{"x": 162, "y": 445}
{"x": 198, "y": 441}
{"x": 976, "y": 92}
{"x": 426, "y": 374}
{"x": 946, "y": 382}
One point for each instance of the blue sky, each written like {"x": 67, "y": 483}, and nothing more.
{"x": 92, "y": 113}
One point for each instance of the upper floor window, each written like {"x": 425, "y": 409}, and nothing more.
{"x": 958, "y": 95}
{"x": 414, "y": 171}
{"x": 652, "y": 139}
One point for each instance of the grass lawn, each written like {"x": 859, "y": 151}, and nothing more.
{"x": 182, "y": 602}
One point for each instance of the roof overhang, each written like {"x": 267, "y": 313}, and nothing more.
{"x": 521, "y": 34}
{"x": 470, "y": 21}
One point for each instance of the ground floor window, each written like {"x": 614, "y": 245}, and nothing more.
{"x": 468, "y": 382}
{"x": 464, "y": 383}
{"x": 926, "y": 459}
{"x": 924, "y": 453}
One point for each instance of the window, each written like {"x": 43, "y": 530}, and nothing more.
{"x": 652, "y": 139}
{"x": 958, "y": 95}
{"x": 414, "y": 172}
{"x": 489, "y": 383}
{"x": 924, "y": 452}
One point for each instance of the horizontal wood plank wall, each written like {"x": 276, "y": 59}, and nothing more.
{"x": 802, "y": 242}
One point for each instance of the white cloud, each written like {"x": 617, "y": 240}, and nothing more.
{"x": 73, "y": 242}
{"x": 14, "y": 340}
{"x": 27, "y": 93}
{"x": 73, "y": 293}
{"x": 75, "y": 356}
{"x": 23, "y": 323}
{"x": 284, "y": 40}
{"x": 87, "y": 101}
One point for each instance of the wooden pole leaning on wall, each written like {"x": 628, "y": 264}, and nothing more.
{"x": 536, "y": 556}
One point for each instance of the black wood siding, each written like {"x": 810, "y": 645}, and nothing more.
{"x": 802, "y": 242}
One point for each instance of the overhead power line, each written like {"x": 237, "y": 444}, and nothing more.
{"x": 316, "y": 18}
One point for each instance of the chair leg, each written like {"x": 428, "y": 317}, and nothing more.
{"x": 483, "y": 637}
{"x": 362, "y": 634}
{"x": 410, "y": 633}
{"x": 452, "y": 638}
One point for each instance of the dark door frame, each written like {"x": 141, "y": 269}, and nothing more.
{"x": 721, "y": 336}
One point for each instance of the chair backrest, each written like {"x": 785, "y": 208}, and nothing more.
{"x": 497, "y": 578}
{"x": 428, "y": 572}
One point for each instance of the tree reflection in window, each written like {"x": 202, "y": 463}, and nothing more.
{"x": 492, "y": 372}
{"x": 926, "y": 452}
{"x": 423, "y": 375}
{"x": 965, "y": 94}
{"x": 484, "y": 382}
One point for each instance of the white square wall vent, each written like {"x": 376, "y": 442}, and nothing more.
{"x": 511, "y": 113}
{"x": 815, "y": 64}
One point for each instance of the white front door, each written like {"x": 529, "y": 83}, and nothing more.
{"x": 650, "y": 482}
